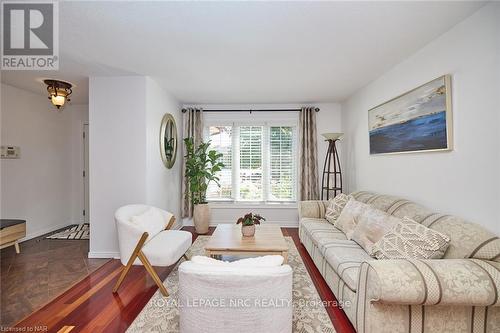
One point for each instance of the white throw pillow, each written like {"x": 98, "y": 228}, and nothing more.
{"x": 151, "y": 221}
{"x": 208, "y": 261}
{"x": 348, "y": 219}
{"x": 264, "y": 261}
{"x": 335, "y": 207}
{"x": 371, "y": 226}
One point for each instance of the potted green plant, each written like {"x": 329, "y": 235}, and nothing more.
{"x": 202, "y": 165}
{"x": 248, "y": 223}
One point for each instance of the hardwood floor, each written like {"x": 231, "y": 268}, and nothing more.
{"x": 44, "y": 269}
{"x": 337, "y": 315}
{"x": 90, "y": 306}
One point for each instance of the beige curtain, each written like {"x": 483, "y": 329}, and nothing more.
{"x": 308, "y": 155}
{"x": 193, "y": 128}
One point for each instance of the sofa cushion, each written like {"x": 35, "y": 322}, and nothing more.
{"x": 468, "y": 240}
{"x": 335, "y": 207}
{"x": 372, "y": 225}
{"x": 392, "y": 205}
{"x": 348, "y": 218}
{"x": 319, "y": 228}
{"x": 345, "y": 257}
{"x": 325, "y": 243}
{"x": 411, "y": 240}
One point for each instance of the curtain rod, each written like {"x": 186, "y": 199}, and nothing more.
{"x": 253, "y": 110}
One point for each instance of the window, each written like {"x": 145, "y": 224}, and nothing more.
{"x": 260, "y": 162}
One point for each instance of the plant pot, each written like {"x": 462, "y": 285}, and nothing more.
{"x": 201, "y": 218}
{"x": 248, "y": 230}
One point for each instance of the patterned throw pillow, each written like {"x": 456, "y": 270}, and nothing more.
{"x": 411, "y": 240}
{"x": 335, "y": 207}
{"x": 372, "y": 225}
{"x": 348, "y": 218}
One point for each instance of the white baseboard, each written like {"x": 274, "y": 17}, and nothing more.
{"x": 291, "y": 224}
{"x": 187, "y": 222}
{"x": 284, "y": 224}
{"x": 44, "y": 231}
{"x": 103, "y": 255}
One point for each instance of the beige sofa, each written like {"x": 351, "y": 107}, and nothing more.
{"x": 459, "y": 293}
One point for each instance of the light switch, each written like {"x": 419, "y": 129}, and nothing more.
{"x": 10, "y": 152}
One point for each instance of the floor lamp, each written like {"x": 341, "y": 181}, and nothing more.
{"x": 332, "y": 174}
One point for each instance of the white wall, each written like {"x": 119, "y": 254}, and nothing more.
{"x": 163, "y": 185}
{"x": 328, "y": 120}
{"x": 44, "y": 185}
{"x": 117, "y": 168}
{"x": 463, "y": 182}
{"x": 125, "y": 113}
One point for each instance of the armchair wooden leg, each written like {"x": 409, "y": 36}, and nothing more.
{"x": 134, "y": 255}
{"x": 153, "y": 273}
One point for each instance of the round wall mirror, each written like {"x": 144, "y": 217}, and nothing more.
{"x": 168, "y": 140}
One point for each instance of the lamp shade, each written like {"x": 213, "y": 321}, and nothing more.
{"x": 58, "y": 101}
{"x": 332, "y": 136}
{"x": 59, "y": 92}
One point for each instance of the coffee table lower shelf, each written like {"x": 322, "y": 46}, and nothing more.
{"x": 213, "y": 253}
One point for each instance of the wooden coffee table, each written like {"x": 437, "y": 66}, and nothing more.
{"x": 228, "y": 240}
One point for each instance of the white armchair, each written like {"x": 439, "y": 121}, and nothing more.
{"x": 144, "y": 238}
{"x": 243, "y": 297}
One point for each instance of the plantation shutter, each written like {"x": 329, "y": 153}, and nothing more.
{"x": 250, "y": 163}
{"x": 282, "y": 168}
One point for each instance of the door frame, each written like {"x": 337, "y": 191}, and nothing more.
{"x": 85, "y": 173}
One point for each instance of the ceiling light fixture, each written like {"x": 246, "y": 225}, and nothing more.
{"x": 59, "y": 92}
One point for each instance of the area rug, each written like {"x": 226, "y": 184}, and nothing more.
{"x": 309, "y": 315}
{"x": 76, "y": 231}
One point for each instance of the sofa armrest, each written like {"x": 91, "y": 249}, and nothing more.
{"x": 312, "y": 209}
{"x": 470, "y": 282}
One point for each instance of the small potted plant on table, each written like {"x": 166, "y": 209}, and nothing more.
{"x": 248, "y": 223}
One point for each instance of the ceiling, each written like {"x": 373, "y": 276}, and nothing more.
{"x": 243, "y": 52}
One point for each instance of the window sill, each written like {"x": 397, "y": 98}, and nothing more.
{"x": 250, "y": 205}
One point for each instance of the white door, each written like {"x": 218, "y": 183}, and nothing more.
{"x": 86, "y": 211}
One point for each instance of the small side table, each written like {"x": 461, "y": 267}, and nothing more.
{"x": 11, "y": 231}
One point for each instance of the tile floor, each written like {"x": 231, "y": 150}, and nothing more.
{"x": 43, "y": 270}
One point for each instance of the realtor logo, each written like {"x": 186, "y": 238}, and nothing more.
{"x": 30, "y": 39}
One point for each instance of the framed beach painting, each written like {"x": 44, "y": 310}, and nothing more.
{"x": 416, "y": 121}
